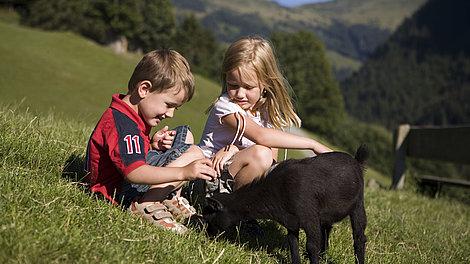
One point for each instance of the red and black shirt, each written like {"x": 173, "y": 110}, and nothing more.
{"x": 117, "y": 146}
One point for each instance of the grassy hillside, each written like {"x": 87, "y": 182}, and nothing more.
{"x": 75, "y": 78}
{"x": 48, "y": 217}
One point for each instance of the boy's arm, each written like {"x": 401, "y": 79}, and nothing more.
{"x": 147, "y": 174}
{"x": 275, "y": 138}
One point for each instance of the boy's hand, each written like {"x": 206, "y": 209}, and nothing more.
{"x": 199, "y": 169}
{"x": 163, "y": 139}
{"x": 222, "y": 156}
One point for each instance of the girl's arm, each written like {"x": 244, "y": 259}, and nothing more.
{"x": 275, "y": 138}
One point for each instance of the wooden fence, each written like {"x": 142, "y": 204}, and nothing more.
{"x": 436, "y": 143}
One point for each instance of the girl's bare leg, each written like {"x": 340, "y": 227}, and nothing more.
{"x": 250, "y": 163}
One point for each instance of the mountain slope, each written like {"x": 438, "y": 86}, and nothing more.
{"x": 385, "y": 14}
{"x": 421, "y": 75}
{"x": 350, "y": 29}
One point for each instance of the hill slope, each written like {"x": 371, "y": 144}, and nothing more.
{"x": 421, "y": 75}
{"x": 385, "y": 14}
{"x": 74, "y": 77}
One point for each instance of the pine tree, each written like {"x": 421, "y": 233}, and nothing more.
{"x": 302, "y": 58}
{"x": 199, "y": 46}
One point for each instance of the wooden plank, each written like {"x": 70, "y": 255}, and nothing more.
{"x": 399, "y": 143}
{"x": 436, "y": 179}
{"x": 439, "y": 143}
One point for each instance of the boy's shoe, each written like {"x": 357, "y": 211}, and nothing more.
{"x": 158, "y": 214}
{"x": 180, "y": 208}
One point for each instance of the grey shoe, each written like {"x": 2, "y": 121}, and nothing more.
{"x": 212, "y": 187}
{"x": 226, "y": 182}
{"x": 223, "y": 184}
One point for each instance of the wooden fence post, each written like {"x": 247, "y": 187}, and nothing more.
{"x": 400, "y": 142}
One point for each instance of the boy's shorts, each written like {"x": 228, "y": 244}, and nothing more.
{"x": 158, "y": 158}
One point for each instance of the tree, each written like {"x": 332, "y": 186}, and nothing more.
{"x": 302, "y": 58}
{"x": 146, "y": 24}
{"x": 199, "y": 46}
{"x": 158, "y": 25}
{"x": 54, "y": 14}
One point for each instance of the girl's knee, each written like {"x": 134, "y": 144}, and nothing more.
{"x": 262, "y": 155}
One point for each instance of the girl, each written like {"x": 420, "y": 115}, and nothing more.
{"x": 243, "y": 130}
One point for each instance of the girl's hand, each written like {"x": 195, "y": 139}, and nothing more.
{"x": 222, "y": 156}
{"x": 199, "y": 169}
{"x": 319, "y": 148}
{"x": 163, "y": 139}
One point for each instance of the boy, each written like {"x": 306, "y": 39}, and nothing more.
{"x": 123, "y": 169}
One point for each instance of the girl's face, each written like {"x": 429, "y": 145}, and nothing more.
{"x": 243, "y": 87}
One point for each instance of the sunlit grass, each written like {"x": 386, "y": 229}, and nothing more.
{"x": 47, "y": 216}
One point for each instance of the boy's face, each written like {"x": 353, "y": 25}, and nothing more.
{"x": 243, "y": 87}
{"x": 156, "y": 106}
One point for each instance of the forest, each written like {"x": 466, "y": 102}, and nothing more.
{"x": 421, "y": 75}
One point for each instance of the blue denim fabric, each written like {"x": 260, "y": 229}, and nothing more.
{"x": 158, "y": 158}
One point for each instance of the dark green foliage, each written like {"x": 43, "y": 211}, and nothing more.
{"x": 158, "y": 25}
{"x": 146, "y": 24}
{"x": 199, "y": 46}
{"x": 319, "y": 100}
{"x": 55, "y": 14}
{"x": 105, "y": 21}
{"x": 421, "y": 75}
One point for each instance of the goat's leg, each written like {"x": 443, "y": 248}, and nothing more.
{"x": 313, "y": 233}
{"x": 325, "y": 235}
{"x": 293, "y": 238}
{"x": 358, "y": 224}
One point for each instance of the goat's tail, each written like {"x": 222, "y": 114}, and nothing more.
{"x": 362, "y": 154}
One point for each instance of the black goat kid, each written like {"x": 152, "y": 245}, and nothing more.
{"x": 312, "y": 194}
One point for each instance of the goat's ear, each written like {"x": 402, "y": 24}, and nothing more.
{"x": 214, "y": 204}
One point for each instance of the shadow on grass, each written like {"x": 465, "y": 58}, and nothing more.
{"x": 272, "y": 239}
{"x": 74, "y": 171}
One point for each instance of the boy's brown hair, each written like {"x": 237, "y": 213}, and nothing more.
{"x": 165, "y": 69}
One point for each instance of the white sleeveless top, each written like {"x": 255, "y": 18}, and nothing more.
{"x": 216, "y": 135}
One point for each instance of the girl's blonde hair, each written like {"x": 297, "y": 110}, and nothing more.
{"x": 257, "y": 53}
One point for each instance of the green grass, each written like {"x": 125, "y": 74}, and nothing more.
{"x": 48, "y": 217}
